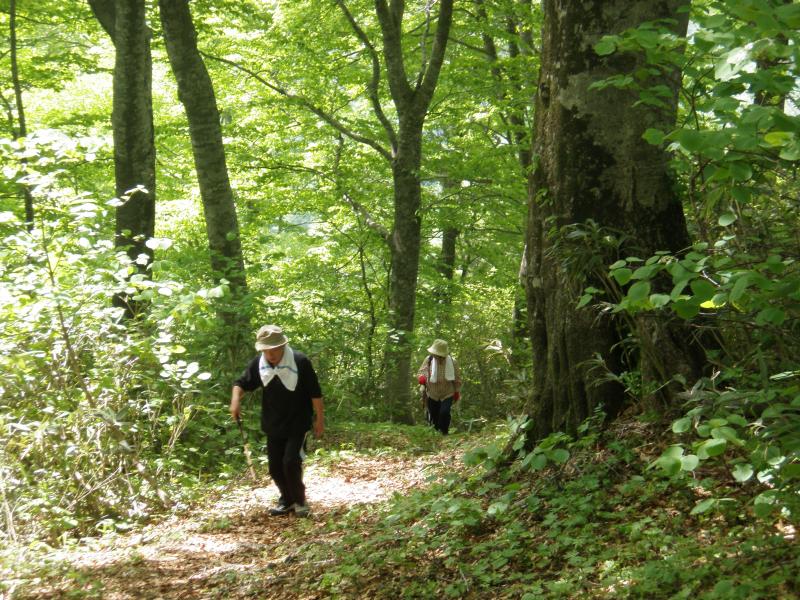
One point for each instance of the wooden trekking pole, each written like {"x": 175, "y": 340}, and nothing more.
{"x": 246, "y": 446}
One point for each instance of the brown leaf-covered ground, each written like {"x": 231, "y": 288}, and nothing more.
{"x": 232, "y": 547}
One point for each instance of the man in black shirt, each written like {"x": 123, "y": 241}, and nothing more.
{"x": 290, "y": 398}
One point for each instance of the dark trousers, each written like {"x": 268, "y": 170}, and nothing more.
{"x": 286, "y": 467}
{"x": 439, "y": 414}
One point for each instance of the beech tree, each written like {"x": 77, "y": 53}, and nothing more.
{"x": 596, "y": 178}
{"x": 18, "y": 126}
{"x": 196, "y": 93}
{"x": 125, "y": 22}
{"x": 411, "y": 99}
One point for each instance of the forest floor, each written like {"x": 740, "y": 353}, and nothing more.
{"x": 230, "y": 547}
{"x": 401, "y": 512}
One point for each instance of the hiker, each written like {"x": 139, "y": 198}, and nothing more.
{"x": 441, "y": 376}
{"x": 290, "y": 398}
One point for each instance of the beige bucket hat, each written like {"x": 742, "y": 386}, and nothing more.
{"x": 439, "y": 348}
{"x": 269, "y": 337}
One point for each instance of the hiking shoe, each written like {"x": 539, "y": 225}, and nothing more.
{"x": 300, "y": 510}
{"x": 281, "y": 509}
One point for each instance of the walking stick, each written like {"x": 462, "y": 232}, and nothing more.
{"x": 246, "y": 450}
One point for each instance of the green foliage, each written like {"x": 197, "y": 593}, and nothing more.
{"x": 734, "y": 156}
{"x": 600, "y": 525}
{"x": 93, "y": 408}
{"x": 751, "y": 435}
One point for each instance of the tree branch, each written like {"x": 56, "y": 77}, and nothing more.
{"x": 423, "y": 48}
{"x": 428, "y": 85}
{"x": 105, "y": 12}
{"x": 374, "y": 82}
{"x": 357, "y": 206}
{"x": 390, "y": 21}
{"x": 329, "y": 119}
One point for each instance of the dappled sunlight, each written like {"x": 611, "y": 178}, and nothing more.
{"x": 234, "y": 537}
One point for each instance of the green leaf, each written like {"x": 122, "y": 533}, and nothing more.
{"x": 791, "y": 471}
{"x": 669, "y": 464}
{"x": 739, "y": 287}
{"x": 731, "y": 64}
{"x": 771, "y": 315}
{"x": 690, "y": 139}
{"x": 654, "y": 136}
{"x": 703, "y": 506}
{"x": 789, "y": 14}
{"x": 741, "y": 171}
{"x": 725, "y": 433}
{"x": 778, "y": 138}
{"x": 742, "y": 472}
{"x": 686, "y": 309}
{"x": 726, "y": 219}
{"x": 622, "y": 276}
{"x": 702, "y": 289}
{"x": 737, "y": 419}
{"x": 689, "y": 462}
{"x": 605, "y": 46}
{"x": 682, "y": 425}
{"x": 646, "y": 272}
{"x": 659, "y": 300}
{"x": 538, "y": 462}
{"x": 790, "y": 152}
{"x": 763, "y": 504}
{"x": 497, "y": 508}
{"x": 712, "y": 447}
{"x": 639, "y": 291}
{"x": 559, "y": 455}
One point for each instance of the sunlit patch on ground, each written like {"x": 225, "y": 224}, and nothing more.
{"x": 233, "y": 540}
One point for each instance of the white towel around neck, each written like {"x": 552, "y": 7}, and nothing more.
{"x": 449, "y": 370}
{"x": 286, "y": 370}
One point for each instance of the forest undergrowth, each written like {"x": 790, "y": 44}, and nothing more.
{"x": 399, "y": 512}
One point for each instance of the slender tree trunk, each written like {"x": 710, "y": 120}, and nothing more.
{"x": 446, "y": 265}
{"x": 22, "y": 130}
{"x": 125, "y": 21}
{"x": 405, "y": 250}
{"x": 447, "y": 258}
{"x": 196, "y": 93}
{"x": 517, "y": 117}
{"x": 132, "y": 121}
{"x": 412, "y": 105}
{"x": 594, "y": 165}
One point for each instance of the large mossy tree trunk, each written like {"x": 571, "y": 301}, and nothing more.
{"x": 125, "y": 21}
{"x": 592, "y": 165}
{"x": 196, "y": 93}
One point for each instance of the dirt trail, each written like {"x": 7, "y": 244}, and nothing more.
{"x": 232, "y": 548}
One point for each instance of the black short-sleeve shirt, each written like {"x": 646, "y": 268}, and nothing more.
{"x": 284, "y": 413}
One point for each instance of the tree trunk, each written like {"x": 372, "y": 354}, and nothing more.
{"x": 405, "y": 249}
{"x": 22, "y": 129}
{"x": 446, "y": 264}
{"x": 196, "y": 93}
{"x": 132, "y": 122}
{"x": 593, "y": 165}
{"x": 412, "y": 103}
{"x": 517, "y": 116}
